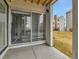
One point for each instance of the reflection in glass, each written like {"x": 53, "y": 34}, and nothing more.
{"x": 37, "y": 27}
{"x": 2, "y": 27}
{"x": 21, "y": 28}
{"x": 41, "y": 27}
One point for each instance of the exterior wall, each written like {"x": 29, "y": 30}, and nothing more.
{"x": 26, "y": 6}
{"x": 62, "y": 25}
{"x": 69, "y": 20}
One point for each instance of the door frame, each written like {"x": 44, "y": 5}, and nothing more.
{"x": 21, "y": 44}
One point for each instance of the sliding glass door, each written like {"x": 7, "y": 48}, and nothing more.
{"x": 3, "y": 26}
{"x": 35, "y": 21}
{"x": 37, "y": 27}
{"x": 21, "y": 28}
{"x": 41, "y": 27}
{"x": 27, "y": 27}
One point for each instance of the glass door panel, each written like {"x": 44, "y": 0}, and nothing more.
{"x": 37, "y": 27}
{"x": 3, "y": 27}
{"x": 41, "y": 28}
{"x": 21, "y": 28}
{"x": 26, "y": 30}
{"x": 35, "y": 21}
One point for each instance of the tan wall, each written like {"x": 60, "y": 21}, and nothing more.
{"x": 26, "y": 6}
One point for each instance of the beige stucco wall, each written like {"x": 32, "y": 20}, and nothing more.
{"x": 26, "y": 6}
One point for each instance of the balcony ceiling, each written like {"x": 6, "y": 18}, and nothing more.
{"x": 43, "y": 2}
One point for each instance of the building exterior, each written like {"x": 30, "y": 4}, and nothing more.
{"x": 55, "y": 23}
{"x": 62, "y": 23}
{"x": 59, "y": 23}
{"x": 69, "y": 20}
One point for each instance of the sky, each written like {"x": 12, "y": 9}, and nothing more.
{"x": 61, "y": 7}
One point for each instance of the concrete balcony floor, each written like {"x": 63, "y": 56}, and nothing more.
{"x": 35, "y": 52}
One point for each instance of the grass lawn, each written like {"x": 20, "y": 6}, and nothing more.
{"x": 63, "y": 42}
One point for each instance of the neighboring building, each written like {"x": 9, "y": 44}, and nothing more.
{"x": 59, "y": 23}
{"x": 62, "y": 23}
{"x": 69, "y": 20}
{"x": 55, "y": 23}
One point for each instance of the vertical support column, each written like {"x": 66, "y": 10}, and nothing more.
{"x": 75, "y": 29}
{"x": 6, "y": 19}
{"x": 31, "y": 26}
{"x": 48, "y": 37}
{"x": 9, "y": 27}
{"x": 51, "y": 27}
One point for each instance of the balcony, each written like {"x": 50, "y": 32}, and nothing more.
{"x": 35, "y": 52}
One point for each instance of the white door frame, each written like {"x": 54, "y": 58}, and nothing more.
{"x": 21, "y": 44}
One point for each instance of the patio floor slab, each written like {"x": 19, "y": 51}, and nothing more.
{"x": 35, "y": 52}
